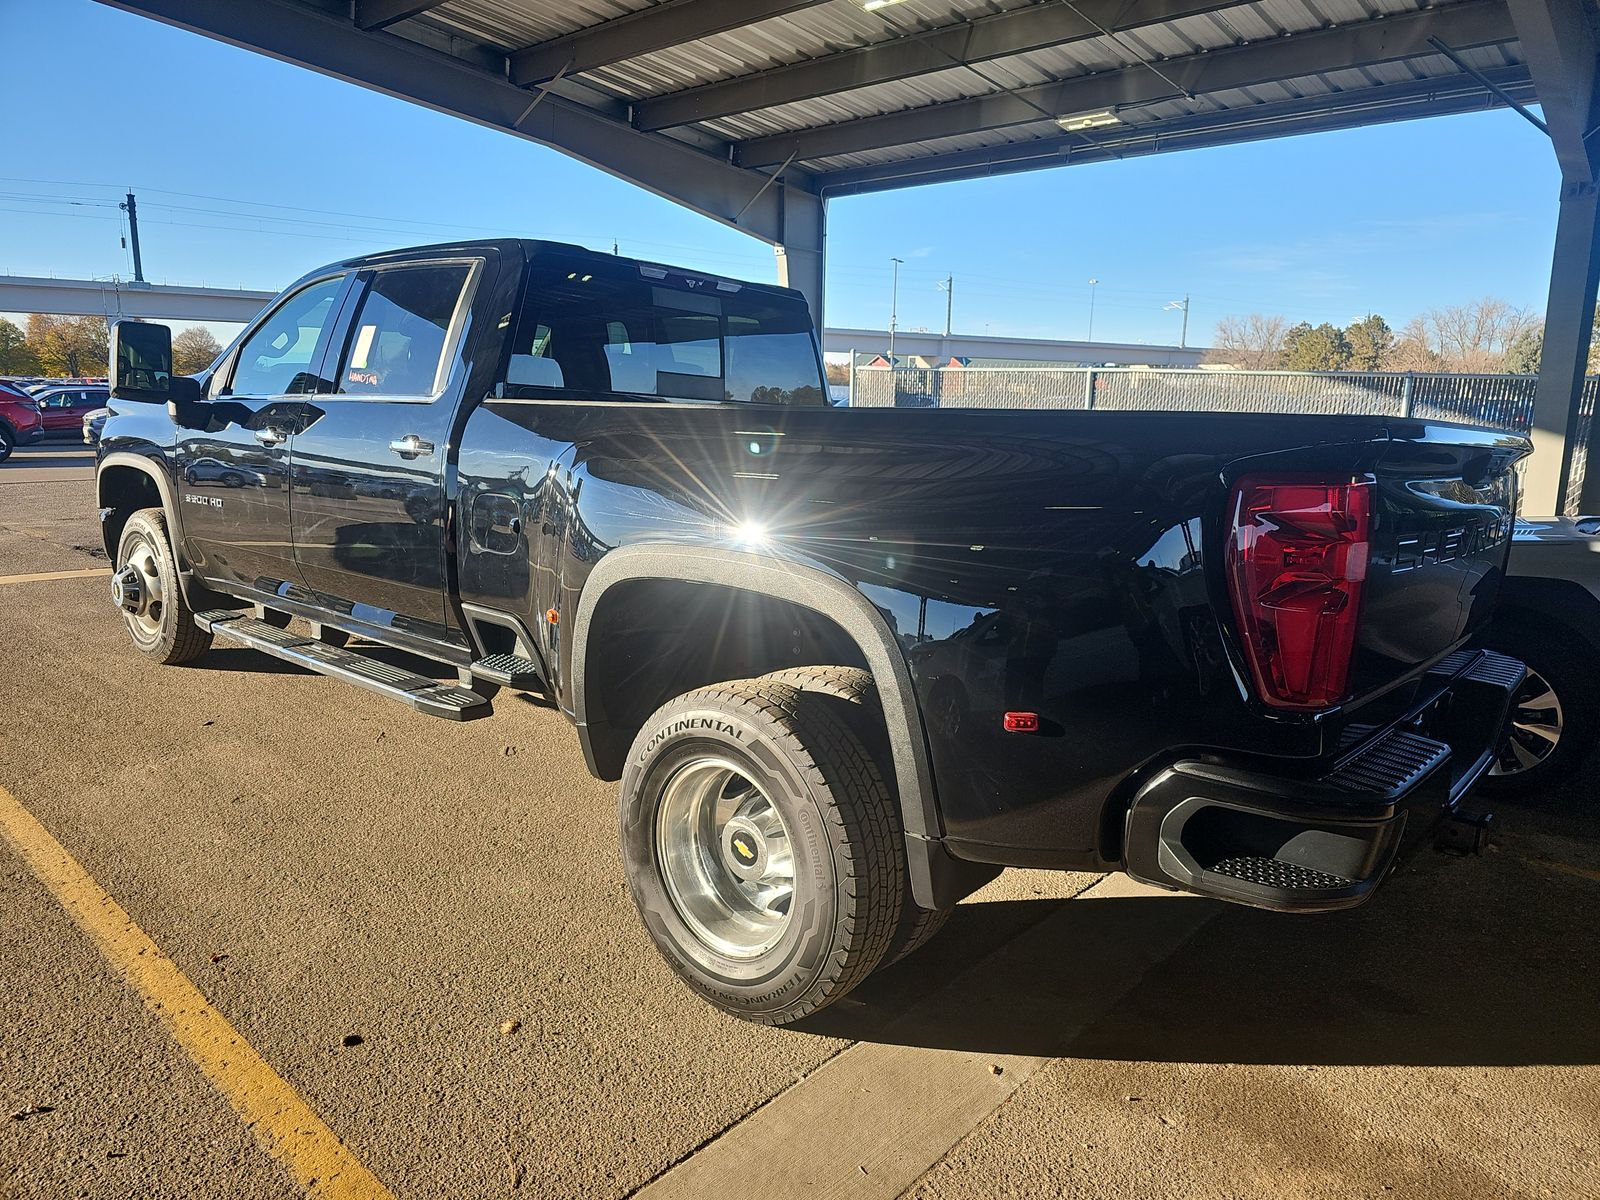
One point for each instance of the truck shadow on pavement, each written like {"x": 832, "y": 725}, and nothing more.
{"x": 1456, "y": 962}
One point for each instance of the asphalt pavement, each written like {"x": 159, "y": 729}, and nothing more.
{"x": 421, "y": 931}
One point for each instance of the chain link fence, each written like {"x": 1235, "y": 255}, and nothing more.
{"x": 1496, "y": 401}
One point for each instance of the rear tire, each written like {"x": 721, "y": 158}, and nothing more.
{"x": 1554, "y": 716}
{"x": 762, "y": 848}
{"x": 859, "y": 695}
{"x": 8, "y": 441}
{"x": 146, "y": 587}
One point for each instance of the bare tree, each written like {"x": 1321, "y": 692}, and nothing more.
{"x": 1254, "y": 342}
{"x": 1476, "y": 336}
{"x": 1415, "y": 349}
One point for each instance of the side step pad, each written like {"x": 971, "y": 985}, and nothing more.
{"x": 510, "y": 670}
{"x": 421, "y": 693}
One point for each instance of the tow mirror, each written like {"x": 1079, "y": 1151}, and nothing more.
{"x": 141, "y": 361}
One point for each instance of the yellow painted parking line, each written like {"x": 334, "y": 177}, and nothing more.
{"x": 283, "y": 1123}
{"x": 47, "y": 576}
{"x": 1565, "y": 868}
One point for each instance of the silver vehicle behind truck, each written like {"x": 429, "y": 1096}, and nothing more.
{"x": 1549, "y": 617}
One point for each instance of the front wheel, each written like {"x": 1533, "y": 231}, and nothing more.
{"x": 8, "y": 441}
{"x": 145, "y": 587}
{"x": 762, "y": 848}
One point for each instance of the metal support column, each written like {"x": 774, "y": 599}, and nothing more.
{"x": 802, "y": 250}
{"x": 1561, "y": 51}
{"x": 1569, "y": 324}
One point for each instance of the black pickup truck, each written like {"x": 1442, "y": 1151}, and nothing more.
{"x": 847, "y": 664}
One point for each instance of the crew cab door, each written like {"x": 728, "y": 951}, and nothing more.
{"x": 368, "y": 512}
{"x": 233, "y": 455}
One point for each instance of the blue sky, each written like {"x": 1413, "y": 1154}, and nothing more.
{"x": 249, "y": 172}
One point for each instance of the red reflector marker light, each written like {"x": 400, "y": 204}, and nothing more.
{"x": 1297, "y": 560}
{"x": 1021, "y": 722}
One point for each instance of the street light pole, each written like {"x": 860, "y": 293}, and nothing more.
{"x": 948, "y": 287}
{"x": 1093, "y": 283}
{"x": 894, "y": 306}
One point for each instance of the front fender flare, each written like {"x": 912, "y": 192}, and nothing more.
{"x": 152, "y": 468}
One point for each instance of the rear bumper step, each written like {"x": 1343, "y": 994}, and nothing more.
{"x": 1323, "y": 843}
{"x": 418, "y": 691}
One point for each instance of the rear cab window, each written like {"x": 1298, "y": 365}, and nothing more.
{"x": 633, "y": 331}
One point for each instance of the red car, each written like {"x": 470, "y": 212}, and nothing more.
{"x": 64, "y": 407}
{"x": 21, "y": 420}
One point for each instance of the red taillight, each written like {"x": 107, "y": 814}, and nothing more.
{"x": 1020, "y": 722}
{"x": 1297, "y": 560}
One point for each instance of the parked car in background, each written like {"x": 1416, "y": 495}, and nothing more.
{"x": 93, "y": 422}
{"x": 27, "y": 383}
{"x": 1549, "y": 616}
{"x": 21, "y": 421}
{"x": 64, "y": 407}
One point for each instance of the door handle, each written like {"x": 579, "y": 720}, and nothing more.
{"x": 411, "y": 446}
{"x": 270, "y": 435}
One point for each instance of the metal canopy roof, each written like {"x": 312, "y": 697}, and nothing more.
{"x": 922, "y": 90}
{"x": 842, "y": 99}
{"x": 756, "y": 112}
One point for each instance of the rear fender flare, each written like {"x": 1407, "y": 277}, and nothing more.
{"x": 811, "y": 588}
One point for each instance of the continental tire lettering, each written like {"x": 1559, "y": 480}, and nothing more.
{"x": 688, "y": 725}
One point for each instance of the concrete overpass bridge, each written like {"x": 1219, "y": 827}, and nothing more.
{"x": 114, "y": 298}
{"x": 177, "y": 302}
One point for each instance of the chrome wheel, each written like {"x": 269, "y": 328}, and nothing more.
{"x": 724, "y": 855}
{"x": 137, "y": 589}
{"x": 1534, "y": 730}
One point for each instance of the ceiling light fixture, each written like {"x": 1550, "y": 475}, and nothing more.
{"x": 1089, "y": 120}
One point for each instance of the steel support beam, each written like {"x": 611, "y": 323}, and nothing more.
{"x": 803, "y": 255}
{"x": 669, "y": 24}
{"x": 1014, "y": 32}
{"x": 1344, "y": 110}
{"x": 1560, "y": 46}
{"x": 1464, "y": 25}
{"x": 295, "y": 33}
{"x": 380, "y": 14}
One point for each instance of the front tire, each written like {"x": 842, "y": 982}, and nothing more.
{"x": 762, "y": 848}
{"x": 8, "y": 441}
{"x": 145, "y": 587}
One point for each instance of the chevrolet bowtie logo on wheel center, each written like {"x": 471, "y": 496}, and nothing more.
{"x": 743, "y": 848}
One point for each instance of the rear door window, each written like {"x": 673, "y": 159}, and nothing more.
{"x": 398, "y": 339}
{"x": 639, "y": 331}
